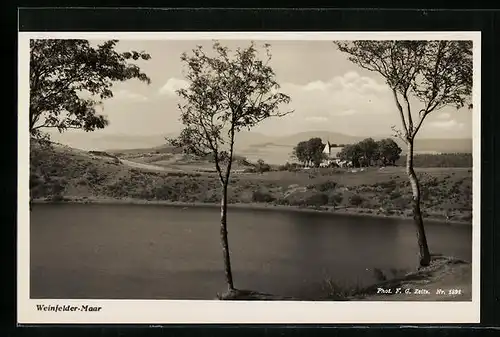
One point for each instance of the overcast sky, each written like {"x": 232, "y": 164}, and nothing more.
{"x": 328, "y": 93}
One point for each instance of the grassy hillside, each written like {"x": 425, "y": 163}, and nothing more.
{"x": 280, "y": 154}
{"x": 61, "y": 172}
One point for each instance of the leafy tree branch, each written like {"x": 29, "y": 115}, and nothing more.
{"x": 70, "y": 78}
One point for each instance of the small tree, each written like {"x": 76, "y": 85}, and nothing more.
{"x": 262, "y": 167}
{"x": 316, "y": 155}
{"x": 388, "y": 151}
{"x": 301, "y": 152}
{"x": 69, "y": 78}
{"x": 352, "y": 153}
{"x": 310, "y": 152}
{"x": 226, "y": 93}
{"x": 435, "y": 73}
{"x": 368, "y": 148}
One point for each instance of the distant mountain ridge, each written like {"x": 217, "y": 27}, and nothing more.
{"x": 249, "y": 141}
{"x": 333, "y": 137}
{"x": 445, "y": 145}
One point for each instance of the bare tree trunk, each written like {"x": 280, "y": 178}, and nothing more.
{"x": 223, "y": 215}
{"x": 223, "y": 237}
{"x": 424, "y": 254}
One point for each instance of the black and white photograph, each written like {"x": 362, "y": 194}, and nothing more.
{"x": 249, "y": 177}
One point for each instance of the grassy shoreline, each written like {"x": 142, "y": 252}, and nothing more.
{"x": 250, "y": 206}
{"x": 452, "y": 276}
{"x": 77, "y": 176}
{"x": 445, "y": 279}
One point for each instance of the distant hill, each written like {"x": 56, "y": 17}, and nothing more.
{"x": 101, "y": 141}
{"x": 252, "y": 144}
{"x": 333, "y": 137}
{"x": 421, "y": 145}
{"x": 440, "y": 145}
{"x": 157, "y": 149}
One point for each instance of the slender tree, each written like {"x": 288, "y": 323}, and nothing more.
{"x": 435, "y": 73}
{"x": 227, "y": 92}
{"x": 70, "y": 78}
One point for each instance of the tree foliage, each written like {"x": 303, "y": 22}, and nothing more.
{"x": 70, "y": 78}
{"x": 369, "y": 152}
{"x": 388, "y": 151}
{"x": 368, "y": 148}
{"x": 262, "y": 166}
{"x": 300, "y": 152}
{"x": 226, "y": 94}
{"x": 436, "y": 73}
{"x": 310, "y": 152}
{"x": 316, "y": 147}
{"x": 352, "y": 153}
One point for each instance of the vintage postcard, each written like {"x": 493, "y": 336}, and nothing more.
{"x": 249, "y": 177}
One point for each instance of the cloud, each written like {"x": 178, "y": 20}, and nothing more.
{"x": 316, "y": 119}
{"x": 172, "y": 85}
{"x": 341, "y": 96}
{"x": 124, "y": 94}
{"x": 444, "y": 115}
{"x": 348, "y": 112}
{"x": 447, "y": 124}
{"x": 361, "y": 84}
{"x": 316, "y": 85}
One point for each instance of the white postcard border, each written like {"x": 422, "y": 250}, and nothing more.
{"x": 186, "y": 311}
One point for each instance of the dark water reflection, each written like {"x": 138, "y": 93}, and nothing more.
{"x": 124, "y": 251}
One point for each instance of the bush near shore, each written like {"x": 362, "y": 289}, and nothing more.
{"x": 446, "y": 192}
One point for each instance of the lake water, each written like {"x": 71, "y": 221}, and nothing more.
{"x": 153, "y": 252}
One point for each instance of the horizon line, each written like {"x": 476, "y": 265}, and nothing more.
{"x": 262, "y": 133}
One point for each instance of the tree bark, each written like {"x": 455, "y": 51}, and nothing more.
{"x": 223, "y": 237}
{"x": 223, "y": 213}
{"x": 424, "y": 254}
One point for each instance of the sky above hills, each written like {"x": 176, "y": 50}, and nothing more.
{"x": 328, "y": 93}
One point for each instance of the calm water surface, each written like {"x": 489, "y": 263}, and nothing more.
{"x": 148, "y": 252}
